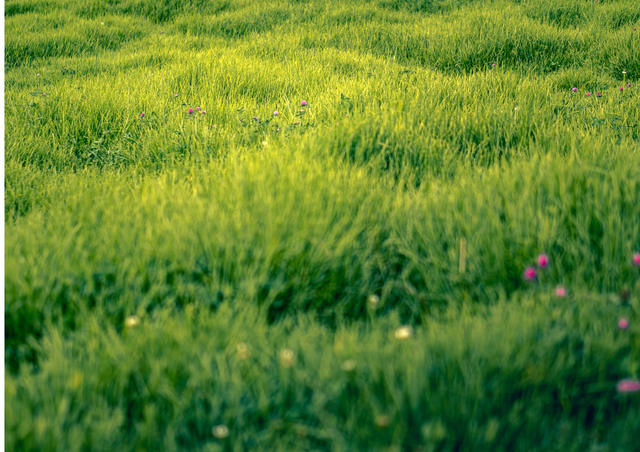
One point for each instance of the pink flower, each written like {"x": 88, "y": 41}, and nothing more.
{"x": 255, "y": 118}
{"x": 197, "y": 108}
{"x": 190, "y": 110}
{"x": 142, "y": 114}
{"x": 588, "y": 94}
{"x": 302, "y": 110}
{"x": 635, "y": 259}
{"x": 623, "y": 323}
{"x": 574, "y": 89}
{"x": 628, "y": 385}
{"x": 561, "y": 292}
{"x": 37, "y": 75}
{"x": 277, "y": 130}
{"x": 303, "y": 103}
{"x": 493, "y": 65}
{"x": 529, "y": 274}
{"x": 213, "y": 126}
{"x": 621, "y": 88}
{"x": 542, "y": 261}
{"x": 598, "y": 94}
{"x": 628, "y": 85}
{"x": 175, "y": 95}
{"x": 275, "y": 113}
{"x": 203, "y": 112}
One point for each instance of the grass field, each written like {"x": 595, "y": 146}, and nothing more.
{"x": 322, "y": 225}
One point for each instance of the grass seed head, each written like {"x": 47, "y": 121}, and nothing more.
{"x": 132, "y": 321}
{"x": 220, "y": 431}
{"x": 349, "y": 365}
{"x": 287, "y": 358}
{"x": 404, "y": 332}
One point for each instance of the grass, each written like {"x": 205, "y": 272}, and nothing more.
{"x": 243, "y": 248}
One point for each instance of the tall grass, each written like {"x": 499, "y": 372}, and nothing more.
{"x": 432, "y": 132}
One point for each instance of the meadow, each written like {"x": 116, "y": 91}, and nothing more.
{"x": 376, "y": 225}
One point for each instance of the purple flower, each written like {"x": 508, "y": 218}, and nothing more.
{"x": 493, "y": 65}
{"x": 623, "y": 323}
{"x": 588, "y": 94}
{"x": 197, "y": 108}
{"x": 542, "y": 261}
{"x": 628, "y": 85}
{"x": 574, "y": 89}
{"x": 303, "y": 103}
{"x": 275, "y": 113}
{"x": 622, "y": 88}
{"x": 635, "y": 259}
{"x": 529, "y": 274}
{"x": 598, "y": 94}
{"x": 628, "y": 385}
{"x": 142, "y": 114}
{"x": 190, "y": 110}
{"x": 175, "y": 95}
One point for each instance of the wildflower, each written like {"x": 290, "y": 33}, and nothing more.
{"x": 255, "y": 118}
{"x": 373, "y": 301}
{"x": 220, "y": 431}
{"x": 213, "y": 126}
{"x": 242, "y": 350}
{"x": 588, "y": 94}
{"x": 142, "y": 114}
{"x": 190, "y": 110}
{"x": 561, "y": 292}
{"x": 382, "y": 421}
{"x": 493, "y": 65}
{"x": 203, "y": 112}
{"x": 303, "y": 103}
{"x": 161, "y": 32}
{"x": 37, "y": 75}
{"x": 628, "y": 85}
{"x": 598, "y": 94}
{"x": 622, "y": 88}
{"x": 132, "y": 321}
{"x": 628, "y": 385}
{"x": 275, "y": 113}
{"x": 348, "y": 365}
{"x": 265, "y": 144}
{"x": 101, "y": 23}
{"x": 624, "y": 72}
{"x": 277, "y": 130}
{"x": 175, "y": 95}
{"x": 296, "y": 123}
{"x": 574, "y": 89}
{"x": 302, "y": 110}
{"x": 517, "y": 108}
{"x": 529, "y": 274}
{"x": 635, "y": 259}
{"x": 287, "y": 358}
{"x": 404, "y": 332}
{"x": 623, "y": 323}
{"x": 197, "y": 108}
{"x": 543, "y": 260}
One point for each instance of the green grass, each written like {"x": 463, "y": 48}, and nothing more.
{"x": 428, "y": 124}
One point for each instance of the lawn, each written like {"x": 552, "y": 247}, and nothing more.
{"x": 355, "y": 225}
